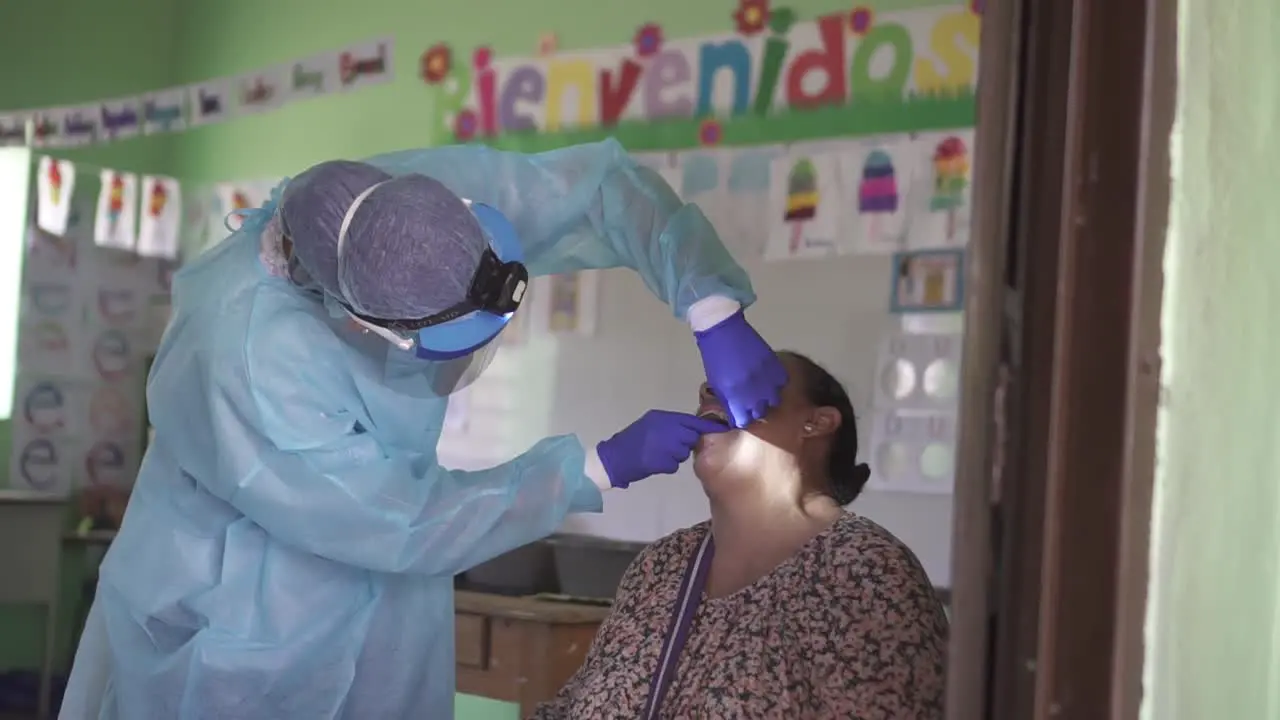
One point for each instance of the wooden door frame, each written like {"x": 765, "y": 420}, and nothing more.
{"x": 1076, "y": 106}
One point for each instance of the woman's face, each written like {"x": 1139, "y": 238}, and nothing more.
{"x": 788, "y": 427}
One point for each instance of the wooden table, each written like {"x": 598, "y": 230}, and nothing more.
{"x": 520, "y": 650}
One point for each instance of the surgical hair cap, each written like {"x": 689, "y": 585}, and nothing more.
{"x": 412, "y": 245}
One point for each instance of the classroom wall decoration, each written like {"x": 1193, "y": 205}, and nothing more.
{"x": 571, "y": 302}
{"x": 770, "y": 78}
{"x": 161, "y": 221}
{"x": 55, "y": 181}
{"x": 170, "y": 110}
{"x": 877, "y": 183}
{"x": 807, "y": 206}
{"x": 844, "y": 196}
{"x": 944, "y": 218}
{"x": 82, "y": 337}
{"x": 115, "y": 224}
{"x": 916, "y": 399}
{"x": 927, "y": 281}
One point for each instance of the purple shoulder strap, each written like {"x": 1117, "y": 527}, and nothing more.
{"x": 691, "y": 587}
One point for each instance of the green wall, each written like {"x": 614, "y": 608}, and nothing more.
{"x": 1213, "y": 625}
{"x": 54, "y": 53}
{"x": 66, "y": 52}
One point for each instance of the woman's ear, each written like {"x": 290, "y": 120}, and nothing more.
{"x": 822, "y": 421}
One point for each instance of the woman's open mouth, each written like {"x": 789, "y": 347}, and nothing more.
{"x": 715, "y": 414}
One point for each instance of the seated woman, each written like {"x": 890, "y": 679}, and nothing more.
{"x": 797, "y": 609}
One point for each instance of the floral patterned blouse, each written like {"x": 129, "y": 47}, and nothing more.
{"x": 849, "y": 627}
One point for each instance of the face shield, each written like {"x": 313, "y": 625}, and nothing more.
{"x": 451, "y": 348}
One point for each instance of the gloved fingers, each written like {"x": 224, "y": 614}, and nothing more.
{"x": 700, "y": 426}
{"x": 772, "y": 398}
{"x": 739, "y": 416}
{"x": 687, "y": 437}
{"x": 670, "y": 465}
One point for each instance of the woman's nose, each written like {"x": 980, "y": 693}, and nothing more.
{"x": 705, "y": 394}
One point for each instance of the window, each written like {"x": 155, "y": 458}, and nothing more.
{"x": 15, "y": 176}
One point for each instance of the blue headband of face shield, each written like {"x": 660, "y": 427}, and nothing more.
{"x": 496, "y": 292}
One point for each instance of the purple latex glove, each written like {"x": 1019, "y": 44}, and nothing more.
{"x": 656, "y": 444}
{"x": 742, "y": 370}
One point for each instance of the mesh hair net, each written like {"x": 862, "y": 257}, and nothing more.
{"x": 412, "y": 245}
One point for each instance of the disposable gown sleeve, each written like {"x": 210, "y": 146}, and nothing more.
{"x": 591, "y": 206}
{"x": 294, "y": 459}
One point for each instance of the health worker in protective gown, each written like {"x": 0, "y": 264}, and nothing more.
{"x": 290, "y": 546}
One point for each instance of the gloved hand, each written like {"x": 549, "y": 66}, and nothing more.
{"x": 656, "y": 444}
{"x": 742, "y": 370}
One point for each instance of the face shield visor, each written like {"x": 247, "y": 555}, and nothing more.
{"x": 451, "y": 348}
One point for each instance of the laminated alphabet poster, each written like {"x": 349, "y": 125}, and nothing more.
{"x": 83, "y": 339}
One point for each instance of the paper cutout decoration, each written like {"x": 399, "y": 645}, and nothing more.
{"x": 116, "y": 223}
{"x": 209, "y": 102}
{"x": 164, "y": 111}
{"x": 703, "y": 183}
{"x": 805, "y": 200}
{"x": 79, "y": 126}
{"x": 120, "y": 119}
{"x": 878, "y": 190}
{"x": 194, "y": 233}
{"x": 13, "y": 129}
{"x": 927, "y": 281}
{"x": 366, "y": 64}
{"x": 877, "y": 183}
{"x": 46, "y": 128}
{"x": 265, "y": 90}
{"x": 56, "y": 181}
{"x": 572, "y": 302}
{"x": 231, "y": 198}
{"x": 747, "y": 189}
{"x": 913, "y": 452}
{"x": 548, "y": 44}
{"x": 314, "y": 76}
{"x": 161, "y": 217}
{"x": 943, "y": 219}
{"x": 918, "y": 372}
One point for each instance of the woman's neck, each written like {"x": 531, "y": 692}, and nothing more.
{"x": 760, "y": 526}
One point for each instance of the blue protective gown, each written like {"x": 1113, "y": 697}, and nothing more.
{"x": 290, "y": 546}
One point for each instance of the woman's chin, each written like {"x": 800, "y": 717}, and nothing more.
{"x": 711, "y": 454}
